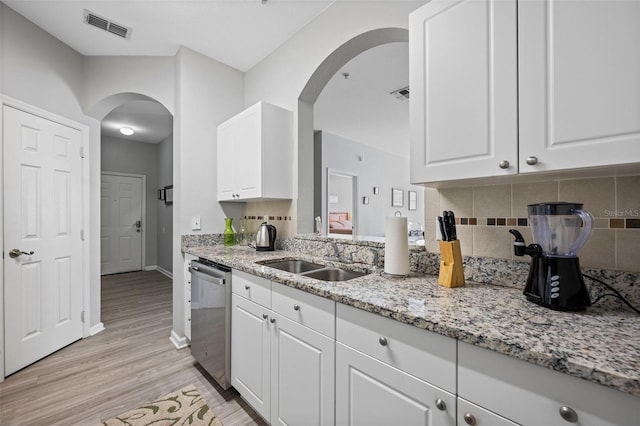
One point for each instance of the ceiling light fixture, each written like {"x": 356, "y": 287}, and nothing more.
{"x": 127, "y": 131}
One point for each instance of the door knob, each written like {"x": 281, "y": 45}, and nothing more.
{"x": 17, "y": 253}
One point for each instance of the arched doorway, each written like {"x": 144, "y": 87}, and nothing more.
{"x": 319, "y": 79}
{"x": 144, "y": 159}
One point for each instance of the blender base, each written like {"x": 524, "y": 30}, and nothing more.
{"x": 556, "y": 283}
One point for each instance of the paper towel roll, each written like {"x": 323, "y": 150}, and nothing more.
{"x": 396, "y": 246}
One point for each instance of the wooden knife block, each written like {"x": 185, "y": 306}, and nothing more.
{"x": 451, "y": 271}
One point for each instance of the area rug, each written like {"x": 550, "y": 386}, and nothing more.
{"x": 183, "y": 407}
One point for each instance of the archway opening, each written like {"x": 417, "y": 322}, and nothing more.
{"x": 307, "y": 177}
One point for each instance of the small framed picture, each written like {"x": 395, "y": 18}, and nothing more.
{"x": 376, "y": 190}
{"x": 365, "y": 200}
{"x": 397, "y": 197}
{"x": 168, "y": 195}
{"x": 161, "y": 194}
{"x": 413, "y": 200}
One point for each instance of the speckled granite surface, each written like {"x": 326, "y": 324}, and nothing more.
{"x": 600, "y": 345}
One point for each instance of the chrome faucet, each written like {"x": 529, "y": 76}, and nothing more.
{"x": 336, "y": 252}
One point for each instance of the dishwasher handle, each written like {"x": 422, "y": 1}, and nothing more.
{"x": 208, "y": 273}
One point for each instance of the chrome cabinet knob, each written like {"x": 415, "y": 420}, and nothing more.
{"x": 440, "y": 404}
{"x": 532, "y": 161}
{"x": 504, "y": 164}
{"x": 296, "y": 307}
{"x": 273, "y": 320}
{"x": 246, "y": 287}
{"x": 383, "y": 341}
{"x": 470, "y": 419}
{"x": 265, "y": 316}
{"x": 569, "y": 414}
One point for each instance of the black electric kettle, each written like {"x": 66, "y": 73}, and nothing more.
{"x": 266, "y": 237}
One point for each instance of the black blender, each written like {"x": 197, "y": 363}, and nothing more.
{"x": 560, "y": 230}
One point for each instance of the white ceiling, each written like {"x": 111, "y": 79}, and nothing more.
{"x": 361, "y": 107}
{"x": 239, "y": 33}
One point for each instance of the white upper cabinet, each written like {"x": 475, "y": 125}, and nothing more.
{"x": 500, "y": 87}
{"x": 255, "y": 154}
{"x": 463, "y": 69}
{"x": 579, "y": 83}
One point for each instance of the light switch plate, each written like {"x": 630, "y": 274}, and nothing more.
{"x": 195, "y": 223}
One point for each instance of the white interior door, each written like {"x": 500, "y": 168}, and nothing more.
{"x": 121, "y": 224}
{"x": 42, "y": 229}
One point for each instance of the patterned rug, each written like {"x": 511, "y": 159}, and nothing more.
{"x": 183, "y": 407}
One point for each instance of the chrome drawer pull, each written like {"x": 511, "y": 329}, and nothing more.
{"x": 296, "y": 307}
{"x": 383, "y": 341}
{"x": 569, "y": 414}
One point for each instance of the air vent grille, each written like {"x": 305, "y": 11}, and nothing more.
{"x": 401, "y": 93}
{"x": 106, "y": 25}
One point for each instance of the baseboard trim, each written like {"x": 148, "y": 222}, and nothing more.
{"x": 164, "y": 272}
{"x": 96, "y": 329}
{"x": 150, "y": 268}
{"x": 178, "y": 342}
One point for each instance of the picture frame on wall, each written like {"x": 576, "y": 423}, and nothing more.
{"x": 397, "y": 197}
{"x": 168, "y": 195}
{"x": 413, "y": 200}
{"x": 161, "y": 194}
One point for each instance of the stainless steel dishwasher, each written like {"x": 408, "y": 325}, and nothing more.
{"x": 211, "y": 318}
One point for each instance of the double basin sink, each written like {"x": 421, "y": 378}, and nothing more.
{"x": 313, "y": 270}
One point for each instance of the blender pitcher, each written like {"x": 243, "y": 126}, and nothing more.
{"x": 560, "y": 229}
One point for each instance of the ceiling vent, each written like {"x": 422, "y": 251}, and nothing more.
{"x": 401, "y": 93}
{"x": 106, "y": 25}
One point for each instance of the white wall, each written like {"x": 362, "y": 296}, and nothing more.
{"x": 379, "y": 169}
{"x": 207, "y": 93}
{"x": 123, "y": 156}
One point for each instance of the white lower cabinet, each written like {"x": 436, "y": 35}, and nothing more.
{"x": 251, "y": 353}
{"x": 386, "y": 370}
{"x": 531, "y": 395}
{"x": 302, "y": 380}
{"x": 370, "y": 392}
{"x": 280, "y": 365}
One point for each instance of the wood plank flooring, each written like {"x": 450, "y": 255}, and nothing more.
{"x": 130, "y": 363}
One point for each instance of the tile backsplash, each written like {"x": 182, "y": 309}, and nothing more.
{"x": 486, "y": 213}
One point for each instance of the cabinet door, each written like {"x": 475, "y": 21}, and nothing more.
{"x": 227, "y": 139}
{"x": 369, "y": 392}
{"x": 463, "y": 78}
{"x": 302, "y": 375}
{"x": 579, "y": 77}
{"x": 247, "y": 161}
{"x": 471, "y": 414}
{"x": 250, "y": 349}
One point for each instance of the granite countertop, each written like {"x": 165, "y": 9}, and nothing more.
{"x": 600, "y": 345}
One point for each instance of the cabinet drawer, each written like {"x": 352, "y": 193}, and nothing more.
{"x": 256, "y": 289}
{"x": 307, "y": 309}
{"x": 532, "y": 395}
{"x": 426, "y": 355}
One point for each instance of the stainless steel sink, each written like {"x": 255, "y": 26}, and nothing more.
{"x": 295, "y": 266}
{"x": 333, "y": 274}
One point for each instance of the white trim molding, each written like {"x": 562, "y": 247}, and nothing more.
{"x": 180, "y": 342}
{"x": 96, "y": 329}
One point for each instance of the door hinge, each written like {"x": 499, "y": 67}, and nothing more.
{"x": 82, "y": 234}
{"x": 82, "y": 152}
{"x": 82, "y": 316}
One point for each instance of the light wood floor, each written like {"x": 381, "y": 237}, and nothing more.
{"x": 130, "y": 363}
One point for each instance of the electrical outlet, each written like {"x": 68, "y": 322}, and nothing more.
{"x": 195, "y": 223}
